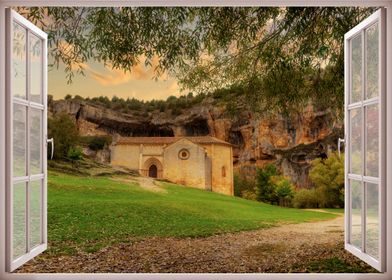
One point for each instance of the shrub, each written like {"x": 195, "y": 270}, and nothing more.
{"x": 265, "y": 187}
{"x": 75, "y": 154}
{"x": 244, "y": 187}
{"x": 328, "y": 177}
{"x": 249, "y": 194}
{"x": 78, "y": 97}
{"x": 176, "y": 111}
{"x": 65, "y": 134}
{"x": 99, "y": 142}
{"x": 306, "y": 198}
{"x": 284, "y": 191}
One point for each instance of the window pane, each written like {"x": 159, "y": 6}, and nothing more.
{"x": 356, "y": 69}
{"x": 19, "y": 140}
{"x": 19, "y": 61}
{"x": 36, "y": 141}
{"x": 372, "y": 60}
{"x": 36, "y": 69}
{"x": 372, "y": 134}
{"x": 18, "y": 220}
{"x": 35, "y": 213}
{"x": 356, "y": 141}
{"x": 372, "y": 220}
{"x": 356, "y": 215}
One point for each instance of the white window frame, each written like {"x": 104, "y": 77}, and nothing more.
{"x": 11, "y": 17}
{"x": 360, "y": 29}
{"x": 376, "y": 3}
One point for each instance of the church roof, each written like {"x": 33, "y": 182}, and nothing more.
{"x": 170, "y": 140}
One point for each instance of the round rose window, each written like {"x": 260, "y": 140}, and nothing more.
{"x": 183, "y": 154}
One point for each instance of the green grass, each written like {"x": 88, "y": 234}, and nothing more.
{"x": 91, "y": 212}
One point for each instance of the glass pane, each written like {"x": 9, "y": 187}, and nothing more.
{"x": 356, "y": 214}
{"x": 372, "y": 226}
{"x": 19, "y": 61}
{"x": 356, "y": 69}
{"x": 36, "y": 69}
{"x": 19, "y": 140}
{"x": 35, "y": 213}
{"x": 372, "y": 61}
{"x": 18, "y": 220}
{"x": 356, "y": 141}
{"x": 36, "y": 141}
{"x": 372, "y": 140}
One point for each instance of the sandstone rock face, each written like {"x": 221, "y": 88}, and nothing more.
{"x": 291, "y": 143}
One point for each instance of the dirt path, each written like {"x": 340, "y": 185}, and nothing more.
{"x": 288, "y": 248}
{"x": 146, "y": 183}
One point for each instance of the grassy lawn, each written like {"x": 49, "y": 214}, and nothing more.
{"x": 88, "y": 213}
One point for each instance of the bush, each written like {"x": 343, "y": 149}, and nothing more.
{"x": 249, "y": 194}
{"x": 65, "y": 134}
{"x": 78, "y": 97}
{"x": 95, "y": 143}
{"x": 284, "y": 191}
{"x": 306, "y": 198}
{"x": 75, "y": 154}
{"x": 328, "y": 177}
{"x": 265, "y": 187}
{"x": 176, "y": 111}
{"x": 244, "y": 188}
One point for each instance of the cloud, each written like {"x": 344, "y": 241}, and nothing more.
{"x": 111, "y": 76}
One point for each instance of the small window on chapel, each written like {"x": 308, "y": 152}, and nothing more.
{"x": 183, "y": 154}
{"x": 223, "y": 171}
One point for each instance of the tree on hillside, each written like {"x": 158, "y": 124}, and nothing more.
{"x": 281, "y": 56}
{"x": 65, "y": 134}
{"x": 284, "y": 191}
{"x": 265, "y": 187}
{"x": 328, "y": 177}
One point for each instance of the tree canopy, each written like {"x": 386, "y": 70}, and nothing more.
{"x": 282, "y": 57}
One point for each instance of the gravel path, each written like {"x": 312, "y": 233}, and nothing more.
{"x": 288, "y": 248}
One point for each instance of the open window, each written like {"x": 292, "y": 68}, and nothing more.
{"x": 26, "y": 173}
{"x": 365, "y": 126}
{"x": 365, "y": 131}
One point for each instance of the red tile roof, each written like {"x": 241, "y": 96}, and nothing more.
{"x": 170, "y": 140}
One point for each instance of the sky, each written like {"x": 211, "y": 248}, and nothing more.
{"x": 103, "y": 80}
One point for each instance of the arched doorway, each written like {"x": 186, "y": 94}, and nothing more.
{"x": 152, "y": 167}
{"x": 153, "y": 171}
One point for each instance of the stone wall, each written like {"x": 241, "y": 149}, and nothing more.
{"x": 188, "y": 171}
{"x": 126, "y": 156}
{"x": 221, "y": 168}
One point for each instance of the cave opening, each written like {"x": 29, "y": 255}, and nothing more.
{"x": 150, "y": 131}
{"x": 236, "y": 138}
{"x": 197, "y": 127}
{"x": 142, "y": 130}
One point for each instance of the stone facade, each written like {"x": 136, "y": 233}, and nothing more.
{"x": 202, "y": 162}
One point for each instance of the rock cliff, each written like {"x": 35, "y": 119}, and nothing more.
{"x": 258, "y": 139}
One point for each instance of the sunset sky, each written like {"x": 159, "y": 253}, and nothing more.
{"x": 101, "y": 80}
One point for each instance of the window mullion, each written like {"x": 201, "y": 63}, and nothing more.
{"x": 28, "y": 113}
{"x": 363, "y": 144}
